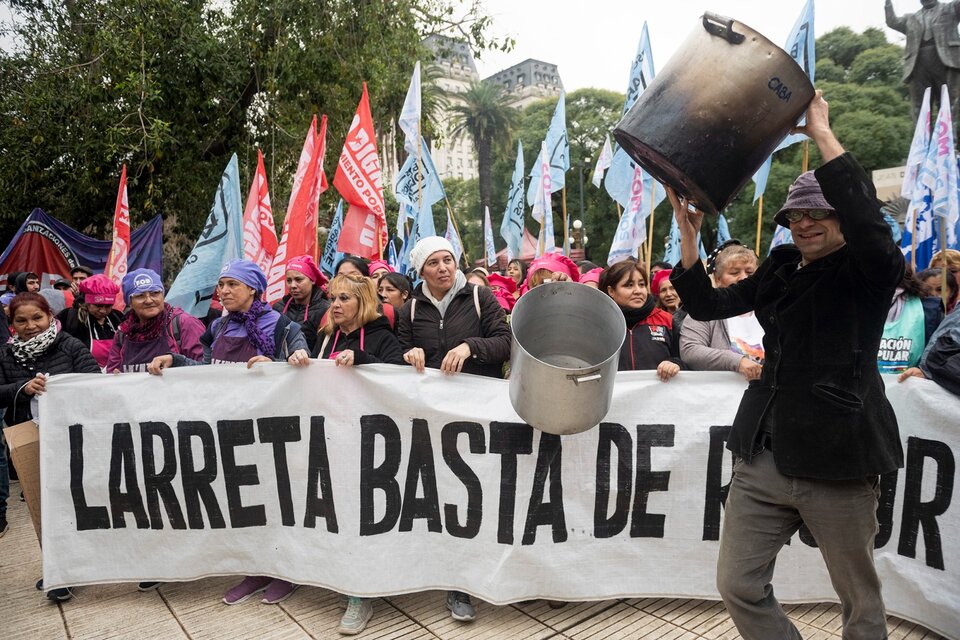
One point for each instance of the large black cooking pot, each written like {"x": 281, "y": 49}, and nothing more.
{"x": 720, "y": 106}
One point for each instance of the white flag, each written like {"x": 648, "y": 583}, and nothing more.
{"x": 603, "y": 162}
{"x": 542, "y": 209}
{"x": 409, "y": 120}
{"x": 488, "y": 238}
{"x": 918, "y": 148}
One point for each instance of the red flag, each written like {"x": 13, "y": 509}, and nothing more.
{"x": 299, "y": 234}
{"x": 259, "y": 231}
{"x": 120, "y": 249}
{"x": 358, "y": 179}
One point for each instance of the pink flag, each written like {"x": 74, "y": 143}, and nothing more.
{"x": 299, "y": 234}
{"x": 259, "y": 232}
{"x": 117, "y": 259}
{"x": 359, "y": 181}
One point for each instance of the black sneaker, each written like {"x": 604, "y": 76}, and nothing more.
{"x": 148, "y": 586}
{"x": 3, "y": 525}
{"x": 59, "y": 595}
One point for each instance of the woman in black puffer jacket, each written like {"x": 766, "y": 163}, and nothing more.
{"x": 38, "y": 349}
{"x": 355, "y": 332}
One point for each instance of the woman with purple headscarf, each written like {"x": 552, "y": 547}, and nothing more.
{"x": 251, "y": 332}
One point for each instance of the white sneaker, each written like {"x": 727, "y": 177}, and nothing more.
{"x": 355, "y": 618}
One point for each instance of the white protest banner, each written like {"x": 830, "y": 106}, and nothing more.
{"x": 376, "y": 480}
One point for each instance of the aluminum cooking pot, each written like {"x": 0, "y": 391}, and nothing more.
{"x": 566, "y": 346}
{"x": 716, "y": 111}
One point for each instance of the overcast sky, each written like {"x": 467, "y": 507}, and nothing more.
{"x": 593, "y": 41}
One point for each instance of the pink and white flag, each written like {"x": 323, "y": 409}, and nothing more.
{"x": 259, "y": 230}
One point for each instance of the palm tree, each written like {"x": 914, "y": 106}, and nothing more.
{"x": 485, "y": 115}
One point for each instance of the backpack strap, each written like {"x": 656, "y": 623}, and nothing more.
{"x": 476, "y": 299}
{"x": 323, "y": 345}
{"x": 413, "y": 309}
{"x": 175, "y": 331}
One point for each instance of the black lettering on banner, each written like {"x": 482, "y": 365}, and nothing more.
{"x": 540, "y": 513}
{"x": 158, "y": 485}
{"x": 643, "y": 524}
{"x": 508, "y": 440}
{"x": 233, "y": 434}
{"x": 88, "y": 517}
{"x": 613, "y": 435}
{"x": 278, "y": 431}
{"x": 383, "y": 477}
{"x": 197, "y": 483}
{"x": 420, "y": 469}
{"x": 451, "y": 455}
{"x": 888, "y": 494}
{"x": 916, "y": 513}
{"x": 319, "y": 486}
{"x": 715, "y": 495}
{"x": 123, "y": 468}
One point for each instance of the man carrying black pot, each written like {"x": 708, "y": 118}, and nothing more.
{"x": 813, "y": 434}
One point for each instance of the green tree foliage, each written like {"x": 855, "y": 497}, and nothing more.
{"x": 879, "y": 66}
{"x": 174, "y": 87}
{"x": 485, "y": 115}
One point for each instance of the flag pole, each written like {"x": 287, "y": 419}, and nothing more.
{"x": 913, "y": 244}
{"x": 566, "y": 227}
{"x": 456, "y": 229}
{"x": 806, "y": 155}
{"x": 944, "y": 290}
{"x": 759, "y": 222}
{"x": 653, "y": 199}
{"x": 619, "y": 211}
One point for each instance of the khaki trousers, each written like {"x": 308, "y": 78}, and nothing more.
{"x": 763, "y": 510}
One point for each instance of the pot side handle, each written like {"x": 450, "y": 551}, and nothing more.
{"x": 722, "y": 26}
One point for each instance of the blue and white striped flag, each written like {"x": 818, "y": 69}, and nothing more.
{"x": 220, "y": 241}
{"x": 511, "y": 229}
{"x": 558, "y": 149}
{"x": 939, "y": 172}
{"x": 918, "y": 148}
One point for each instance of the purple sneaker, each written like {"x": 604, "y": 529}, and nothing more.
{"x": 278, "y": 591}
{"x": 250, "y": 586}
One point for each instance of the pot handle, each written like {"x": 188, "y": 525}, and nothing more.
{"x": 722, "y": 26}
{"x": 591, "y": 378}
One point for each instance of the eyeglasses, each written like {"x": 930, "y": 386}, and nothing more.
{"x": 794, "y": 215}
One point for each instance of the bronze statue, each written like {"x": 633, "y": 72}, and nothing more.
{"x": 932, "y": 54}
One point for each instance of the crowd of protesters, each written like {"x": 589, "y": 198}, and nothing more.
{"x": 458, "y": 321}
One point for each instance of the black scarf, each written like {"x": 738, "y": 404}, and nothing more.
{"x": 634, "y": 316}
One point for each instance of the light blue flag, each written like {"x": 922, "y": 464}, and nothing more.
{"x": 781, "y": 236}
{"x": 641, "y": 70}
{"x": 220, "y": 241}
{"x": 409, "y": 120}
{"x": 429, "y": 189}
{"x": 632, "y": 228}
{"x": 723, "y": 231}
{"x": 453, "y": 238}
{"x": 558, "y": 150}
{"x": 511, "y": 229}
{"x": 488, "y": 238}
{"x": 619, "y": 178}
{"x": 424, "y": 224}
{"x": 672, "y": 252}
{"x": 801, "y": 45}
{"x": 331, "y": 257}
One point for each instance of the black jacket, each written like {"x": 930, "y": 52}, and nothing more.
{"x": 820, "y": 394}
{"x": 487, "y": 334}
{"x": 379, "y": 344}
{"x": 314, "y": 311}
{"x": 65, "y": 354}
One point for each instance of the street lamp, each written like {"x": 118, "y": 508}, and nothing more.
{"x": 578, "y": 236}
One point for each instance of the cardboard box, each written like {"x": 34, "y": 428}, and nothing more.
{"x": 24, "y": 442}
